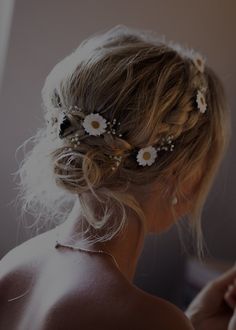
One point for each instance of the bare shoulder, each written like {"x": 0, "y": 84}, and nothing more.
{"x": 20, "y": 266}
{"x": 19, "y": 275}
{"x": 133, "y": 310}
{"x": 83, "y": 294}
{"x": 25, "y": 256}
{"x": 161, "y": 314}
{"x": 158, "y": 313}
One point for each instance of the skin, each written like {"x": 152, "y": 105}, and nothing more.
{"x": 76, "y": 289}
{"x": 127, "y": 247}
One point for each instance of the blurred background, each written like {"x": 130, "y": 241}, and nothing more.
{"x": 35, "y": 35}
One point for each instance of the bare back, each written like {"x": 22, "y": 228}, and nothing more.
{"x": 44, "y": 288}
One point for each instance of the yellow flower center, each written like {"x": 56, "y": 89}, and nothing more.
{"x": 95, "y": 124}
{"x": 146, "y": 155}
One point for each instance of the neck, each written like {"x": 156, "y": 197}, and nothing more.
{"x": 125, "y": 248}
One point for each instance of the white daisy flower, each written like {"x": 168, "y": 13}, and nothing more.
{"x": 94, "y": 124}
{"x": 199, "y": 62}
{"x": 146, "y": 156}
{"x": 201, "y": 102}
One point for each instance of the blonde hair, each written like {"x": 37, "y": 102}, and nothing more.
{"x": 150, "y": 86}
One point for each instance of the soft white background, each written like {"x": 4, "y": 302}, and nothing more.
{"x": 43, "y": 32}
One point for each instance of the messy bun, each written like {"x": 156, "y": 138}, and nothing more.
{"x": 149, "y": 86}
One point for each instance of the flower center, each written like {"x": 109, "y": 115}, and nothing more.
{"x": 146, "y": 155}
{"x": 95, "y": 124}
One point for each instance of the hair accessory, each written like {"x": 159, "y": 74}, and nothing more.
{"x": 73, "y": 141}
{"x": 201, "y": 102}
{"x": 166, "y": 143}
{"x": 117, "y": 159}
{"x": 112, "y": 127}
{"x": 148, "y": 155}
{"x": 199, "y": 62}
{"x": 94, "y": 124}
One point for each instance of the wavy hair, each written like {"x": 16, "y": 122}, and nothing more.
{"x": 150, "y": 85}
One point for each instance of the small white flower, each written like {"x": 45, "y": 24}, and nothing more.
{"x": 146, "y": 156}
{"x": 201, "y": 102}
{"x": 199, "y": 62}
{"x": 94, "y": 124}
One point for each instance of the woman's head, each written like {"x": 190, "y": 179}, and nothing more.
{"x": 150, "y": 88}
